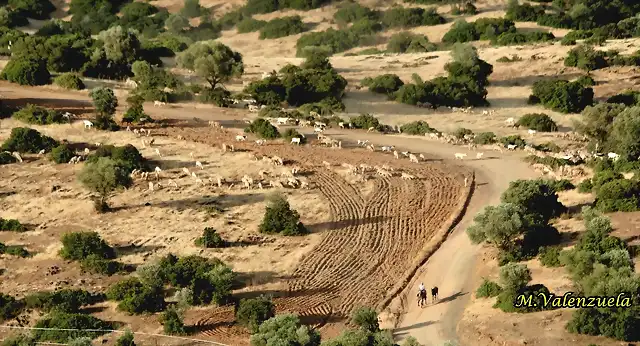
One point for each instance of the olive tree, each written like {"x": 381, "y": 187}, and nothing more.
{"x": 625, "y": 133}
{"x": 285, "y": 330}
{"x": 120, "y": 45}
{"x": 104, "y": 177}
{"x": 514, "y": 276}
{"x": 498, "y": 225}
{"x": 105, "y": 103}
{"x": 213, "y": 61}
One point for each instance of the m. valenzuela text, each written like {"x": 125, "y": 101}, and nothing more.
{"x": 571, "y": 300}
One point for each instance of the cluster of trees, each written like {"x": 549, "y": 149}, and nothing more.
{"x": 519, "y": 226}
{"x": 561, "y": 95}
{"x": 499, "y": 31}
{"x": 275, "y": 28}
{"x": 589, "y": 59}
{"x": 314, "y": 82}
{"x": 610, "y": 19}
{"x": 465, "y": 85}
{"x": 364, "y": 23}
{"x": 93, "y": 253}
{"x": 613, "y": 192}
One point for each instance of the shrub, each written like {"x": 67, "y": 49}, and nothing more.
{"x": 263, "y": 129}
{"x": 280, "y": 218}
{"x": 64, "y": 300}
{"x": 6, "y": 158}
{"x": 366, "y": 318}
{"x": 80, "y": 245}
{"x": 281, "y": 27}
{"x": 69, "y": 80}
{"x": 135, "y": 297}
{"x": 523, "y": 12}
{"x": 513, "y": 58}
{"x": 126, "y": 339}
{"x": 488, "y": 289}
{"x": 550, "y": 256}
{"x": 418, "y": 128}
{"x": 538, "y": 121}
{"x": 461, "y": 31}
{"x": 561, "y": 96}
{"x": 585, "y": 186}
{"x": 69, "y": 321}
{"x": 383, "y": 84}
{"x": 288, "y": 134}
{"x": 460, "y": 132}
{"x": 518, "y": 38}
{"x": 14, "y": 250}
{"x": 95, "y": 264}
{"x": 172, "y": 322}
{"x": 250, "y": 25}
{"x": 252, "y": 312}
{"x": 507, "y": 298}
{"x": 336, "y": 41}
{"x": 127, "y": 157}
{"x": 37, "y": 115}
{"x": 9, "y": 307}
{"x": 365, "y": 121}
{"x": 561, "y": 185}
{"x": 407, "y": 42}
{"x": 11, "y": 225}
{"x": 210, "y": 239}
{"x": 26, "y": 140}
{"x": 285, "y": 330}
{"x": 192, "y": 9}
{"x": 19, "y": 340}
{"x": 105, "y": 103}
{"x": 26, "y": 71}
{"x": 514, "y": 276}
{"x": 353, "y": 11}
{"x": 513, "y": 140}
{"x": 618, "y": 195}
{"x": 586, "y": 58}
{"x": 400, "y": 17}
{"x": 485, "y": 138}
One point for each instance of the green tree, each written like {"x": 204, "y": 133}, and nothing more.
{"x": 172, "y": 322}
{"x": 120, "y": 45}
{"x": 498, "y": 225}
{"x": 625, "y": 134}
{"x": 103, "y": 178}
{"x": 177, "y": 23}
{"x": 126, "y": 339}
{"x": 285, "y": 330}
{"x": 105, "y": 103}
{"x": 280, "y": 218}
{"x": 26, "y": 71}
{"x": 536, "y": 198}
{"x": 213, "y": 61}
{"x": 252, "y": 312}
{"x": 514, "y": 276}
{"x": 366, "y": 318}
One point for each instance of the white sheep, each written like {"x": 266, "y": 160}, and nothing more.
{"x": 261, "y": 141}
{"x": 479, "y": 155}
{"x": 17, "y": 156}
{"x": 387, "y": 148}
{"x": 613, "y": 156}
{"x": 511, "y": 147}
{"x": 413, "y": 158}
{"x": 371, "y": 128}
{"x": 241, "y": 137}
{"x": 422, "y": 157}
{"x": 41, "y": 152}
{"x": 510, "y": 122}
{"x": 158, "y": 103}
{"x": 150, "y": 186}
{"x": 158, "y": 152}
{"x": 199, "y": 164}
{"x": 295, "y": 140}
{"x": 460, "y": 156}
{"x": 395, "y": 154}
{"x": 186, "y": 170}
{"x": 532, "y": 132}
{"x": 407, "y": 176}
{"x": 86, "y": 150}
{"x": 87, "y": 124}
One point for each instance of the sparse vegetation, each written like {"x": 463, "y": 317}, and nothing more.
{"x": 417, "y": 128}
{"x": 12, "y": 225}
{"x": 281, "y": 27}
{"x": 488, "y": 289}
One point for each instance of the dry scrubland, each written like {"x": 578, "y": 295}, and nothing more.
{"x": 364, "y": 236}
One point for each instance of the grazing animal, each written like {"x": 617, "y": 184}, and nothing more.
{"x": 295, "y": 140}
{"x": 241, "y": 138}
{"x": 422, "y": 157}
{"x": 254, "y": 108}
{"x": 479, "y": 155}
{"x": 613, "y": 156}
{"x": 41, "y": 152}
{"x": 199, "y": 164}
{"x": 86, "y": 150}
{"x": 158, "y": 103}
{"x": 413, "y": 158}
{"x": 407, "y": 176}
{"x": 150, "y": 186}
{"x": 387, "y": 148}
{"x": 512, "y": 146}
{"x": 158, "y": 152}
{"x": 371, "y": 128}
{"x": 434, "y": 293}
{"x": 186, "y": 170}
{"x": 395, "y": 154}
{"x": 261, "y": 141}
{"x": 87, "y": 124}
{"x": 510, "y": 122}
{"x": 460, "y": 156}
{"x": 532, "y": 132}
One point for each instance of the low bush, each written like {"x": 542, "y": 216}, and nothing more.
{"x": 281, "y": 27}
{"x": 352, "y": 11}
{"x": 252, "y": 312}
{"x": 172, "y": 322}
{"x": 548, "y": 147}
{"x": 628, "y": 98}
{"x": 513, "y": 140}
{"x": 26, "y": 71}
{"x": 513, "y": 58}
{"x": 9, "y": 307}
{"x": 365, "y": 121}
{"x": 336, "y": 41}
{"x": 64, "y": 300}
{"x": 37, "y": 115}
{"x": 80, "y": 245}
{"x": 550, "y": 256}
{"x": 561, "y": 185}
{"x": 11, "y": 225}
{"x": 586, "y": 81}
{"x": 366, "y": 319}
{"x": 550, "y": 161}
{"x": 508, "y": 299}
{"x": 14, "y": 250}
{"x": 519, "y": 38}
{"x": 61, "y": 154}
{"x": 6, "y": 158}
{"x": 280, "y": 218}
{"x": 26, "y": 140}
{"x": 481, "y": 29}
{"x": 417, "y": 128}
{"x": 561, "y": 95}
{"x": 407, "y": 42}
{"x": 485, "y": 138}
{"x": 488, "y": 289}
{"x": 288, "y": 134}
{"x": 128, "y": 157}
{"x": 538, "y": 121}
{"x": 401, "y": 17}
{"x": 136, "y": 298}
{"x": 263, "y": 129}
{"x": 383, "y": 84}
{"x": 250, "y": 25}
{"x": 618, "y": 195}
{"x": 210, "y": 239}
{"x": 523, "y": 12}
{"x": 70, "y": 81}
{"x": 96, "y": 265}
{"x": 55, "y": 327}
{"x": 586, "y": 58}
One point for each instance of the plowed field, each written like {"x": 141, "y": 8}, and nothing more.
{"x": 370, "y": 242}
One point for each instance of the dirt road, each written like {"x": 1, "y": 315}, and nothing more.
{"x": 451, "y": 267}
